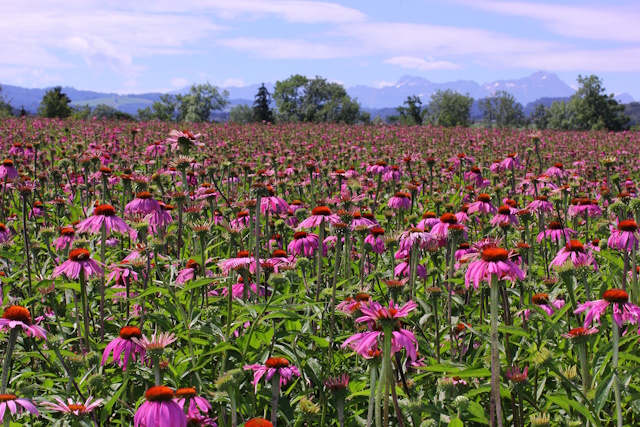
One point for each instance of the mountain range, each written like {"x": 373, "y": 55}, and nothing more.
{"x": 526, "y": 90}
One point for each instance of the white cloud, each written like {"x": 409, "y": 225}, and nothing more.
{"x": 606, "y": 22}
{"x": 277, "y": 48}
{"x": 301, "y": 11}
{"x": 233, "y": 83}
{"x": 378, "y": 84}
{"x": 421, "y": 64}
{"x": 179, "y": 82}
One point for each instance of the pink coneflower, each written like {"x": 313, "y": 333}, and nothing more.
{"x": 241, "y": 220}
{"x": 440, "y": 230}
{"x": 71, "y": 407}
{"x": 144, "y": 204}
{"x": 196, "y": 403}
{"x": 393, "y": 173}
{"x": 505, "y": 215}
{"x": 376, "y": 240}
{"x": 159, "y": 410}
{"x": 375, "y": 315}
{"x": 5, "y": 233}
{"x": 280, "y": 258}
{"x": 580, "y": 333}
{"x": 7, "y": 172}
{"x": 305, "y": 244}
{"x": 360, "y": 221}
{"x": 351, "y": 305}
{"x": 377, "y": 168}
{"x": 122, "y": 275}
{"x": 16, "y": 316}
{"x": 162, "y": 217}
{"x": 15, "y": 405}
{"x": 540, "y": 204}
{"x": 79, "y": 260}
{"x": 542, "y": 301}
{"x": 195, "y": 419}
{"x": 492, "y": 260}
{"x": 158, "y": 341}
{"x": 295, "y": 205}
{"x": 188, "y": 272}
{"x": 482, "y": 205}
{"x": 429, "y": 219}
{"x": 574, "y": 250}
{"x": 403, "y": 269}
{"x": 474, "y": 176}
{"x": 556, "y": 171}
{"x": 258, "y": 422}
{"x": 237, "y": 290}
{"x": 510, "y": 162}
{"x": 276, "y": 205}
{"x": 104, "y": 214}
{"x": 271, "y": 366}
{"x": 155, "y": 149}
{"x": 124, "y": 347}
{"x": 337, "y": 383}
{"x": 400, "y": 200}
{"x": 556, "y": 232}
{"x": 67, "y": 236}
{"x": 515, "y": 375}
{"x": 625, "y": 236}
{"x": 623, "y": 310}
{"x": 320, "y": 214}
{"x": 242, "y": 260}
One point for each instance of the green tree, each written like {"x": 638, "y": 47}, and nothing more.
{"x": 5, "y": 107}
{"x": 242, "y": 113}
{"x": 200, "y": 102}
{"x": 55, "y": 104}
{"x": 410, "y": 113}
{"x": 262, "y": 111}
{"x": 164, "y": 110}
{"x": 300, "y": 99}
{"x": 561, "y": 116}
{"x": 540, "y": 116}
{"x": 448, "y": 108}
{"x": 196, "y": 106}
{"x": 82, "y": 112}
{"x": 594, "y": 109}
{"x": 502, "y": 109}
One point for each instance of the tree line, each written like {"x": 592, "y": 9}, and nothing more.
{"x": 300, "y": 99}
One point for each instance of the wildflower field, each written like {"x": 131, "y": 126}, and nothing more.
{"x": 317, "y": 275}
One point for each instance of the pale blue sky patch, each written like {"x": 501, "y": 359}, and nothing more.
{"x": 162, "y": 45}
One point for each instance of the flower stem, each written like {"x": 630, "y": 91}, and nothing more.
{"x": 495, "y": 351}
{"x": 614, "y": 365}
{"x": 6, "y": 364}
{"x": 85, "y": 309}
{"x": 275, "y": 394}
{"x": 103, "y": 245}
{"x": 372, "y": 393}
{"x": 336, "y": 268}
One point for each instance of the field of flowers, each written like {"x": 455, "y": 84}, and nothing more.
{"x": 317, "y": 275}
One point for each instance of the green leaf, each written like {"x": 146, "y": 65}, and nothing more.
{"x": 565, "y": 403}
{"x": 456, "y": 423}
{"x": 603, "y": 391}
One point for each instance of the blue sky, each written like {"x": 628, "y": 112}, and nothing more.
{"x": 162, "y": 45}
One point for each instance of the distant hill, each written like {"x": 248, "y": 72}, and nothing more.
{"x": 539, "y": 87}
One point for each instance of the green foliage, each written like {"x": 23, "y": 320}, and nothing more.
{"x": 241, "y": 114}
{"x": 448, "y": 108}
{"x": 5, "y": 107}
{"x": 410, "y": 114}
{"x": 55, "y": 104}
{"x": 561, "y": 116}
{"x": 300, "y": 99}
{"x": 195, "y": 106}
{"x": 540, "y": 117}
{"x": 262, "y": 111}
{"x": 503, "y": 110}
{"x": 594, "y": 110}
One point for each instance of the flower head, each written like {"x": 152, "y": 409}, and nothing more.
{"x": 159, "y": 410}
{"x": 17, "y": 316}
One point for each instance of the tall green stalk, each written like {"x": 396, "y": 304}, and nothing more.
{"x": 495, "y": 351}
